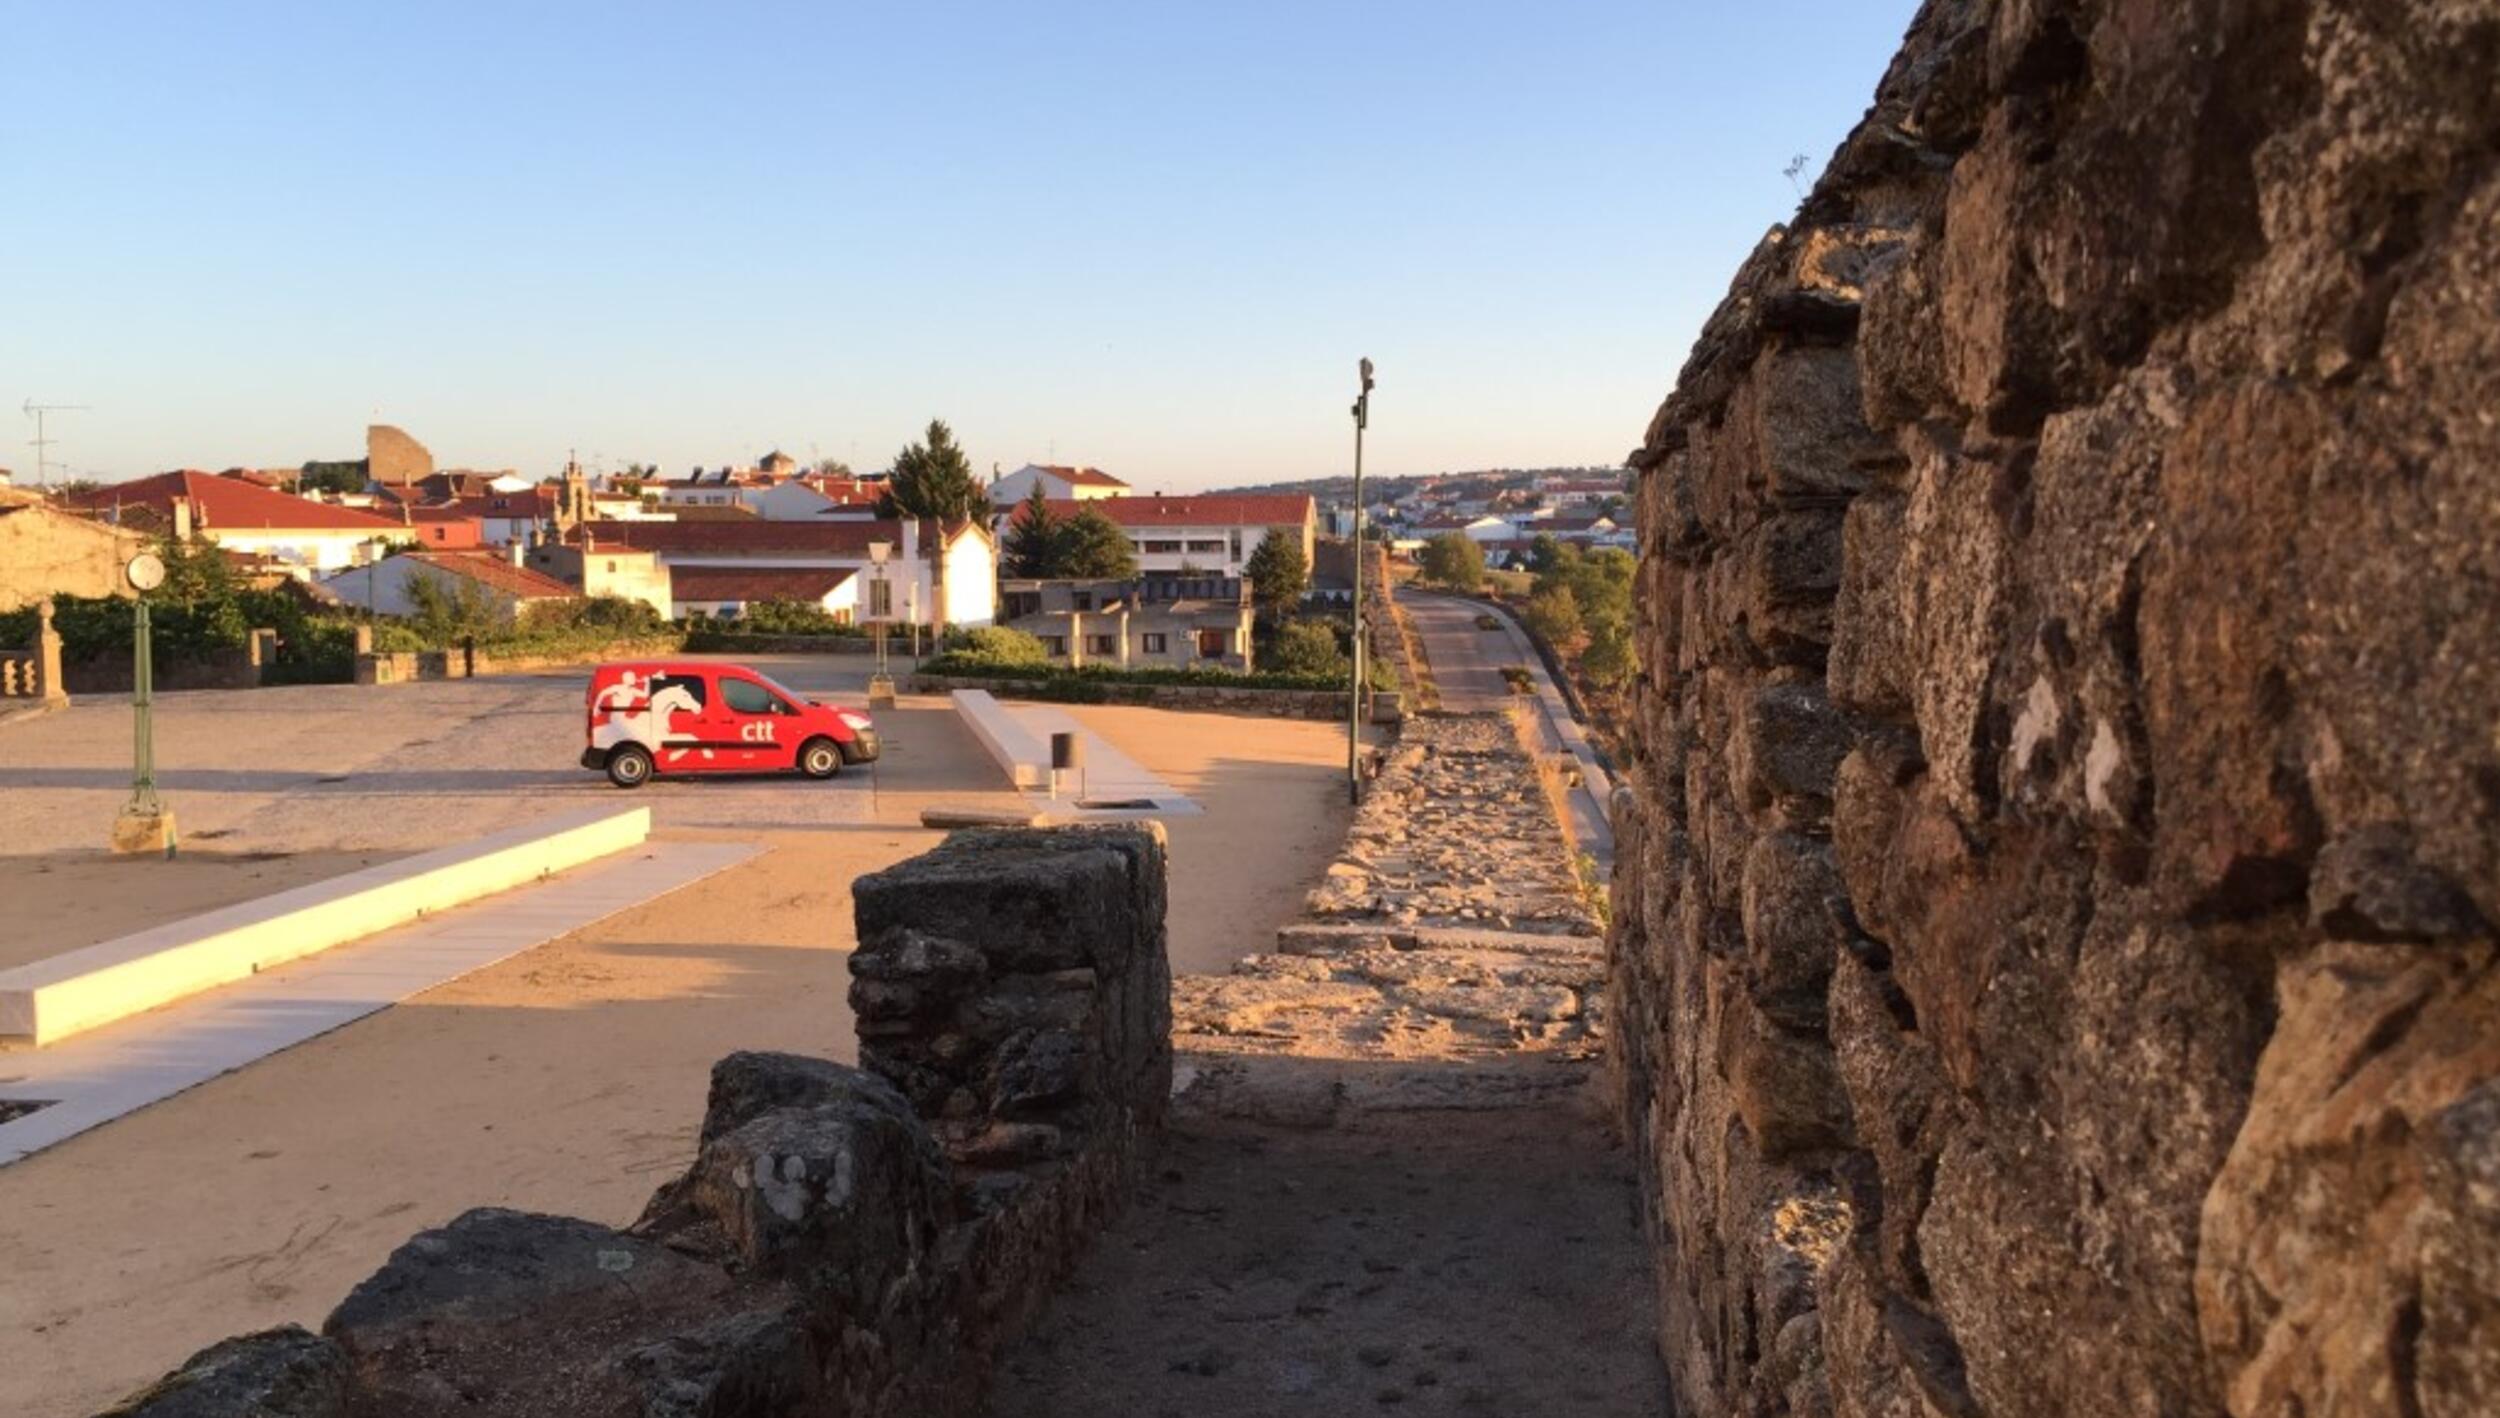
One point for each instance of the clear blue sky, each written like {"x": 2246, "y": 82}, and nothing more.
{"x": 1152, "y": 237}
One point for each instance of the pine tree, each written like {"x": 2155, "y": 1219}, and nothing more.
{"x": 1279, "y": 573}
{"x": 935, "y": 479}
{"x": 1035, "y": 537}
{"x": 1092, "y": 546}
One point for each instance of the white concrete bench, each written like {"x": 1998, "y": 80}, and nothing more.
{"x": 98, "y": 984}
{"x": 1019, "y": 750}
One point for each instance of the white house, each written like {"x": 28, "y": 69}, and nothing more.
{"x": 1479, "y": 529}
{"x": 932, "y": 574}
{"x": 384, "y": 587}
{"x": 1057, "y": 483}
{"x": 1210, "y": 532}
{"x": 244, "y": 517}
{"x": 725, "y": 592}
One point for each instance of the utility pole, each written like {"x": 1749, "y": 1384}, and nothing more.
{"x": 1354, "y": 700}
{"x": 37, "y": 411}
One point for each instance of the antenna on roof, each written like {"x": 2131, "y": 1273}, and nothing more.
{"x": 37, "y": 411}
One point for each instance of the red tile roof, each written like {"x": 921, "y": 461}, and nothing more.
{"x": 738, "y": 583}
{"x": 224, "y": 504}
{"x": 1214, "y": 509}
{"x": 756, "y": 536}
{"x": 495, "y": 570}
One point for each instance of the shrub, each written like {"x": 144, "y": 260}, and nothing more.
{"x": 998, "y": 644}
{"x": 1305, "y": 647}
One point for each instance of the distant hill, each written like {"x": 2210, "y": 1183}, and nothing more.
{"x": 1390, "y": 489}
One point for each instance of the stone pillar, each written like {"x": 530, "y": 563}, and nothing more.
{"x": 48, "y": 655}
{"x": 1014, "y": 985}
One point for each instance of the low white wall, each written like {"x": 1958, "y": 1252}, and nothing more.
{"x": 50, "y": 999}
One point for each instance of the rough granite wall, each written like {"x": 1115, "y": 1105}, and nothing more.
{"x": 848, "y": 1242}
{"x": 2053, "y": 936}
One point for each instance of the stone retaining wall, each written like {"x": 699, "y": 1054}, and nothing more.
{"x": 1206, "y": 699}
{"x": 847, "y": 1241}
{"x": 2053, "y": 957}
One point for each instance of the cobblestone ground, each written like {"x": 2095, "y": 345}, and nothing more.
{"x": 1386, "y": 1187}
{"x": 1450, "y": 927}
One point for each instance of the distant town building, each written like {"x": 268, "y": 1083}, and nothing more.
{"x": 385, "y": 586}
{"x": 1056, "y": 482}
{"x": 1166, "y": 620}
{"x": 933, "y": 574}
{"x": 596, "y": 568}
{"x": 1212, "y": 533}
{"x": 728, "y": 592}
{"x": 243, "y": 517}
{"x": 45, "y": 551}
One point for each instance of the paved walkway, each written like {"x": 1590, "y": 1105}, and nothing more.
{"x": 105, "y": 1073}
{"x": 1467, "y": 663}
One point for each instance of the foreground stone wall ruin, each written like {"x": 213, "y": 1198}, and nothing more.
{"x": 2053, "y": 950}
{"x": 848, "y": 1241}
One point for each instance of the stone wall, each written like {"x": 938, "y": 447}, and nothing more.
{"x": 2053, "y": 950}
{"x": 1387, "y": 707}
{"x": 393, "y": 459}
{"x": 847, "y": 1241}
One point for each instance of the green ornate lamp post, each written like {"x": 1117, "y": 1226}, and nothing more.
{"x": 145, "y": 824}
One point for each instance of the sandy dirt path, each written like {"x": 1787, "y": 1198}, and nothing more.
{"x": 569, "y": 1078}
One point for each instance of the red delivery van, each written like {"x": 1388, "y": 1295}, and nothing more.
{"x": 665, "y": 717}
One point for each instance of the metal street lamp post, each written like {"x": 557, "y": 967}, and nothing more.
{"x": 880, "y": 611}
{"x": 1354, "y": 699}
{"x": 145, "y": 824}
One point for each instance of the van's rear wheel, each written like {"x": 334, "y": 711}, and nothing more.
{"x": 818, "y": 758}
{"x": 629, "y": 766}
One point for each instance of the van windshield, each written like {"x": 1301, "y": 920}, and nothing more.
{"x": 796, "y": 699}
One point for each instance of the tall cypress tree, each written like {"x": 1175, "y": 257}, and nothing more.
{"x": 1034, "y": 538}
{"x": 935, "y": 479}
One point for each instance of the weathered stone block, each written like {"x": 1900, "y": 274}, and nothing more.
{"x": 286, "y": 1372}
{"x": 846, "y": 1193}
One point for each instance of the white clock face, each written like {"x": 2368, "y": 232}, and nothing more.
{"x": 146, "y": 571}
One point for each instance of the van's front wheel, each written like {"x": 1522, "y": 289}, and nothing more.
{"x": 629, "y": 766}
{"x": 818, "y": 758}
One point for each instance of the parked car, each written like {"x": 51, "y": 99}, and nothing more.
{"x": 675, "y": 717}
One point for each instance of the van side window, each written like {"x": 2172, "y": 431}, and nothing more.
{"x": 691, "y": 684}
{"x": 748, "y": 697}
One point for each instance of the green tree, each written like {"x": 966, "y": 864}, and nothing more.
{"x": 1555, "y": 614}
{"x": 1454, "y": 561}
{"x": 346, "y": 476}
{"x": 1609, "y": 661}
{"x": 1279, "y": 572}
{"x": 1093, "y": 546}
{"x": 1544, "y": 550}
{"x": 832, "y": 468}
{"x": 1305, "y": 647}
{"x": 934, "y": 479}
{"x": 1036, "y": 539}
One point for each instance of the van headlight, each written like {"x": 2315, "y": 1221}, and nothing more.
{"x": 857, "y": 722}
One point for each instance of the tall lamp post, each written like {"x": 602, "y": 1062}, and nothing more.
{"x": 881, "y": 611}
{"x": 1354, "y": 699}
{"x": 145, "y": 824}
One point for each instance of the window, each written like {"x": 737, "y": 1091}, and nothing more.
{"x": 1055, "y": 646}
{"x": 1102, "y": 644}
{"x": 611, "y": 564}
{"x": 1213, "y": 544}
{"x": 1211, "y": 644}
{"x": 1160, "y": 548}
{"x": 691, "y": 685}
{"x": 748, "y": 697}
{"x": 1082, "y": 600}
{"x": 1157, "y": 643}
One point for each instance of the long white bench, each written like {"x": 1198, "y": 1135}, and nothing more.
{"x": 1019, "y": 750}
{"x": 98, "y": 984}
